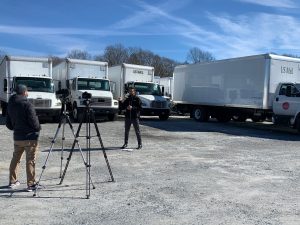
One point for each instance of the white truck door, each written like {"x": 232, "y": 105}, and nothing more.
{"x": 286, "y": 102}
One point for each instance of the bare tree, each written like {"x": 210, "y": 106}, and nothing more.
{"x": 2, "y": 54}
{"x": 78, "y": 54}
{"x": 118, "y": 54}
{"x": 55, "y": 60}
{"x": 115, "y": 54}
{"x": 196, "y": 55}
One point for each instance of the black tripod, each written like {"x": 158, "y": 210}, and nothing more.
{"x": 64, "y": 118}
{"x": 89, "y": 117}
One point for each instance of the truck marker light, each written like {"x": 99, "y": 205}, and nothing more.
{"x": 285, "y": 105}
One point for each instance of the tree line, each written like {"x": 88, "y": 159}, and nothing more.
{"x": 117, "y": 54}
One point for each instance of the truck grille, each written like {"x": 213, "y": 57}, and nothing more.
{"x": 101, "y": 102}
{"x": 158, "y": 104}
{"x": 40, "y": 103}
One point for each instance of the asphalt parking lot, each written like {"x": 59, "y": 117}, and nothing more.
{"x": 186, "y": 173}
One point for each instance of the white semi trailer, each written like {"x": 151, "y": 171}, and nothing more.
{"x": 36, "y": 74}
{"x": 79, "y": 76}
{"x": 142, "y": 79}
{"x": 254, "y": 87}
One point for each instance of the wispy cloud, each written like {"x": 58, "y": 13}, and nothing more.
{"x": 257, "y": 33}
{"x": 273, "y": 3}
{"x": 229, "y": 36}
{"x": 235, "y": 35}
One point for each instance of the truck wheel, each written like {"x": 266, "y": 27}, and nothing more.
{"x": 164, "y": 117}
{"x": 201, "y": 114}
{"x": 256, "y": 119}
{"x": 298, "y": 125}
{"x": 223, "y": 118}
{"x": 112, "y": 117}
{"x": 76, "y": 113}
{"x": 4, "y": 108}
{"x": 240, "y": 118}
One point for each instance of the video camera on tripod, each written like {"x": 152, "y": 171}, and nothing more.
{"x": 87, "y": 98}
{"x": 63, "y": 94}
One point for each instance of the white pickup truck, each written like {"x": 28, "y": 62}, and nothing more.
{"x": 286, "y": 105}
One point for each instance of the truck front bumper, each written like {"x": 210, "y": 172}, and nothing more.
{"x": 46, "y": 113}
{"x": 154, "y": 112}
{"x": 102, "y": 111}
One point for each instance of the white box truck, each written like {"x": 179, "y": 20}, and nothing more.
{"x": 81, "y": 76}
{"x": 254, "y": 87}
{"x": 142, "y": 79}
{"x": 36, "y": 74}
{"x": 167, "y": 84}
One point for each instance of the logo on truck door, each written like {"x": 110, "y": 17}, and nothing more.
{"x": 285, "y": 105}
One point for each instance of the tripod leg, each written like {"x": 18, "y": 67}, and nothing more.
{"x": 71, "y": 152}
{"x": 102, "y": 146}
{"x": 88, "y": 154}
{"x": 47, "y": 158}
{"x": 72, "y": 149}
{"x": 62, "y": 146}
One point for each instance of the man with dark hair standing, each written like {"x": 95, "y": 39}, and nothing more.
{"x": 133, "y": 106}
{"x": 21, "y": 118}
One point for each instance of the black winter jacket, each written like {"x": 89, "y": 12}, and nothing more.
{"x": 136, "y": 104}
{"x": 22, "y": 119}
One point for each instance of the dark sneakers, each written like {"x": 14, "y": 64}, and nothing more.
{"x": 139, "y": 147}
{"x": 124, "y": 146}
{"x": 32, "y": 188}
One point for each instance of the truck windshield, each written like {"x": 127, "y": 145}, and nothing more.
{"x": 36, "y": 84}
{"x": 93, "y": 84}
{"x": 147, "y": 88}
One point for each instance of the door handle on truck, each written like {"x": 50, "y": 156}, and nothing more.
{"x": 277, "y": 99}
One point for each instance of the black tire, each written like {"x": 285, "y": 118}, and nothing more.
{"x": 240, "y": 118}
{"x": 297, "y": 124}
{"x": 55, "y": 119}
{"x": 4, "y": 108}
{"x": 223, "y": 118}
{"x": 200, "y": 114}
{"x": 112, "y": 117}
{"x": 164, "y": 117}
{"x": 76, "y": 113}
{"x": 256, "y": 119}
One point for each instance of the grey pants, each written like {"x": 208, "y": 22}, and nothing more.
{"x": 136, "y": 124}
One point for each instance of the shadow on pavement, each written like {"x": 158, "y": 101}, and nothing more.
{"x": 250, "y": 129}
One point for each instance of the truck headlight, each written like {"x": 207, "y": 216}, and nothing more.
{"x": 144, "y": 104}
{"x": 58, "y": 103}
{"x": 115, "y": 103}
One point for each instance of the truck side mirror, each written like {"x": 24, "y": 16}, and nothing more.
{"x": 125, "y": 88}
{"x": 162, "y": 90}
{"x": 5, "y": 85}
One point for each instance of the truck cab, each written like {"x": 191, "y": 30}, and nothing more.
{"x": 286, "y": 104}
{"x": 153, "y": 102}
{"x": 102, "y": 100}
{"x": 79, "y": 76}
{"x": 40, "y": 94}
{"x": 36, "y": 74}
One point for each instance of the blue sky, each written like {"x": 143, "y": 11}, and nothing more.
{"x": 226, "y": 28}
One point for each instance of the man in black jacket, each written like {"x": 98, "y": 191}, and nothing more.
{"x": 22, "y": 119}
{"x": 133, "y": 106}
